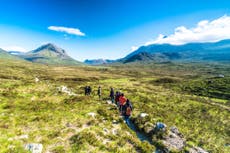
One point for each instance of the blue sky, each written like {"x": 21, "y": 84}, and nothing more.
{"x": 105, "y": 28}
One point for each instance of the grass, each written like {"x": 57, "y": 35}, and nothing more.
{"x": 62, "y": 123}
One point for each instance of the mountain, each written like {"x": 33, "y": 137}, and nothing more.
{"x": 6, "y": 55}
{"x": 98, "y": 61}
{"x": 50, "y": 54}
{"x": 148, "y": 57}
{"x": 216, "y": 51}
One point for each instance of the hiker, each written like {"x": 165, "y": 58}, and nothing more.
{"x": 89, "y": 90}
{"x": 117, "y": 96}
{"x": 86, "y": 90}
{"x": 127, "y": 110}
{"x": 112, "y": 94}
{"x": 122, "y": 101}
{"x": 99, "y": 92}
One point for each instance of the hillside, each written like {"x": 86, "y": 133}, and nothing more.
{"x": 46, "y": 105}
{"x": 5, "y": 55}
{"x": 217, "y": 51}
{"x": 49, "y": 54}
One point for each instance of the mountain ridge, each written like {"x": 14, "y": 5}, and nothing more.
{"x": 214, "y": 51}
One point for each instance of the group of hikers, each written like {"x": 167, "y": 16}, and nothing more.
{"x": 88, "y": 91}
{"x": 124, "y": 105}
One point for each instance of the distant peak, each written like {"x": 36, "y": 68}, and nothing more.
{"x": 50, "y": 47}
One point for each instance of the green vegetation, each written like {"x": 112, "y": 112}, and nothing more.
{"x": 166, "y": 92}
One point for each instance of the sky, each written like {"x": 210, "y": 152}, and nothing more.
{"x": 110, "y": 29}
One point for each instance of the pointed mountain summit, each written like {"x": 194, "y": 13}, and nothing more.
{"x": 50, "y": 50}
{"x": 50, "y": 54}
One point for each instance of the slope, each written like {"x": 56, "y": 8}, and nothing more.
{"x": 50, "y": 54}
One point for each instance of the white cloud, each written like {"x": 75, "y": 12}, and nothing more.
{"x": 72, "y": 31}
{"x": 14, "y": 48}
{"x": 204, "y": 31}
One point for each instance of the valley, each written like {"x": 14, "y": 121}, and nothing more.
{"x": 194, "y": 97}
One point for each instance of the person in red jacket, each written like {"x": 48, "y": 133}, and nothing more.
{"x": 122, "y": 101}
{"x": 128, "y": 108}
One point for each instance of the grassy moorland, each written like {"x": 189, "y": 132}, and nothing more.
{"x": 187, "y": 95}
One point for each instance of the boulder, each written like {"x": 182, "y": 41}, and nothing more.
{"x": 174, "y": 140}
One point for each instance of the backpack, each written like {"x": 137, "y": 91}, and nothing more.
{"x": 128, "y": 111}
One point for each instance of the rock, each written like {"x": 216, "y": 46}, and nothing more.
{"x": 109, "y": 102}
{"x": 143, "y": 115}
{"x": 174, "y": 130}
{"x": 92, "y": 114}
{"x": 197, "y": 150}
{"x": 36, "y": 80}
{"x": 64, "y": 89}
{"x": 174, "y": 140}
{"x": 148, "y": 128}
{"x": 34, "y": 147}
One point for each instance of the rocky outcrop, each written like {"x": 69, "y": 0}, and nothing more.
{"x": 166, "y": 139}
{"x": 174, "y": 140}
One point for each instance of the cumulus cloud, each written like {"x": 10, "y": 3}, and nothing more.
{"x": 72, "y": 31}
{"x": 14, "y": 48}
{"x": 204, "y": 31}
